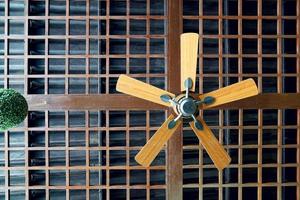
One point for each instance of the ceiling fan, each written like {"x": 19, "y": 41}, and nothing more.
{"x": 185, "y": 105}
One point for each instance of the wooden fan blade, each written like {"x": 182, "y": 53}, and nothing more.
{"x": 141, "y": 90}
{"x": 210, "y": 143}
{"x": 156, "y": 143}
{"x": 240, "y": 90}
{"x": 188, "y": 55}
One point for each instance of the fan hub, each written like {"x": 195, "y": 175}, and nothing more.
{"x": 187, "y": 107}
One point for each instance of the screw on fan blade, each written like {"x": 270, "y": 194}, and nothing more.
{"x": 208, "y": 100}
{"x": 168, "y": 99}
{"x": 165, "y": 98}
{"x": 197, "y": 124}
{"x": 172, "y": 123}
{"x": 188, "y": 83}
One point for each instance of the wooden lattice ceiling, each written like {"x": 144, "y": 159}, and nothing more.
{"x": 80, "y": 137}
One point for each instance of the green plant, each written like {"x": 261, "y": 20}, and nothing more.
{"x": 13, "y": 108}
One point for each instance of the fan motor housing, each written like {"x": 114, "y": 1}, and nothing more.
{"x": 186, "y": 106}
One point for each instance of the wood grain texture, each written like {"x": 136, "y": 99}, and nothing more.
{"x": 210, "y": 143}
{"x": 90, "y": 102}
{"x": 240, "y": 90}
{"x": 141, "y": 90}
{"x": 125, "y": 102}
{"x": 188, "y": 57}
{"x": 156, "y": 143}
{"x": 174, "y": 155}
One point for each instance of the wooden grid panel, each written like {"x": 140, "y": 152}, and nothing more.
{"x": 242, "y": 39}
{"x": 238, "y": 40}
{"x": 81, "y": 47}
{"x": 263, "y": 145}
{"x": 5, "y": 61}
{"x": 81, "y": 155}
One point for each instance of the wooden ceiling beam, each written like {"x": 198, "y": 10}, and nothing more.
{"x": 125, "y": 102}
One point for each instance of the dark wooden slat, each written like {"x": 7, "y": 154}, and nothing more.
{"x": 123, "y": 102}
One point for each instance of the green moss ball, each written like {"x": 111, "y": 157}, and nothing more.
{"x": 13, "y": 108}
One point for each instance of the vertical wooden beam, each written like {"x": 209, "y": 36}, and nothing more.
{"x": 221, "y": 83}
{"x": 174, "y": 149}
{"x": 26, "y": 135}
{"x": 298, "y": 91}
{"x": 260, "y": 111}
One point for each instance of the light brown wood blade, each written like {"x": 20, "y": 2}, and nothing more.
{"x": 156, "y": 143}
{"x": 240, "y": 90}
{"x": 210, "y": 143}
{"x": 189, "y": 52}
{"x": 141, "y": 90}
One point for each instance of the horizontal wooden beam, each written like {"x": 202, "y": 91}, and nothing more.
{"x": 266, "y": 101}
{"x": 89, "y": 102}
{"x": 124, "y": 102}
